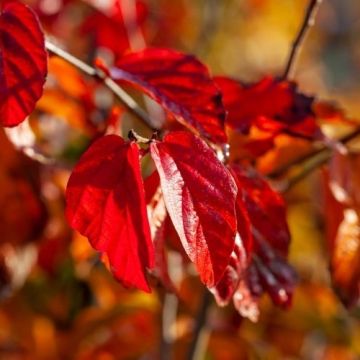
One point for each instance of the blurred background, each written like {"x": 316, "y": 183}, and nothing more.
{"x": 58, "y": 301}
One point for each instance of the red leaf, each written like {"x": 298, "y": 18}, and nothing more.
{"x": 114, "y": 30}
{"x": 260, "y": 146}
{"x": 181, "y": 84}
{"x": 268, "y": 271}
{"x": 151, "y": 184}
{"x": 274, "y": 274}
{"x": 265, "y": 207}
{"x": 226, "y": 287}
{"x": 200, "y": 196}
{"x": 244, "y": 226}
{"x": 106, "y": 203}
{"x": 240, "y": 257}
{"x": 272, "y": 105}
{"x": 23, "y": 65}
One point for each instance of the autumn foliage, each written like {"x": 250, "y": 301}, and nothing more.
{"x": 152, "y": 158}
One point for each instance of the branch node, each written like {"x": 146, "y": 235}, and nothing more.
{"x": 133, "y": 136}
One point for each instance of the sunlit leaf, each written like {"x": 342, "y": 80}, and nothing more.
{"x": 106, "y": 203}
{"x": 23, "y": 65}
{"x": 181, "y": 84}
{"x": 200, "y": 196}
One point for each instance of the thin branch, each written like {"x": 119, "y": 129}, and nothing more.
{"x": 123, "y": 96}
{"x": 319, "y": 158}
{"x": 199, "y": 340}
{"x": 308, "y": 22}
{"x": 315, "y": 163}
{"x": 285, "y": 168}
{"x": 209, "y": 26}
{"x": 85, "y": 68}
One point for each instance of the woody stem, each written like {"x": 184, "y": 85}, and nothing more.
{"x": 123, "y": 96}
{"x": 312, "y": 161}
{"x": 308, "y": 22}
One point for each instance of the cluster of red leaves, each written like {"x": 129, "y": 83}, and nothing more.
{"x": 272, "y": 106}
{"x": 231, "y": 223}
{"x": 181, "y": 84}
{"x": 258, "y": 261}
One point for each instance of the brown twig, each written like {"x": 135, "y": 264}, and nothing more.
{"x": 307, "y": 23}
{"x": 285, "y": 168}
{"x": 198, "y": 342}
{"x": 209, "y": 26}
{"x": 308, "y": 168}
{"x": 315, "y": 160}
{"x": 123, "y": 96}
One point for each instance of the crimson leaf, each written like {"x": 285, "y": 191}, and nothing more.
{"x": 200, "y": 197}
{"x": 106, "y": 203}
{"x": 268, "y": 270}
{"x": 240, "y": 257}
{"x": 111, "y": 29}
{"x": 271, "y": 105}
{"x": 181, "y": 84}
{"x": 265, "y": 207}
{"x": 23, "y": 65}
{"x": 226, "y": 287}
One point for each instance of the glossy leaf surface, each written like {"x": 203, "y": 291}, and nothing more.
{"x": 200, "y": 197}
{"x": 106, "y": 203}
